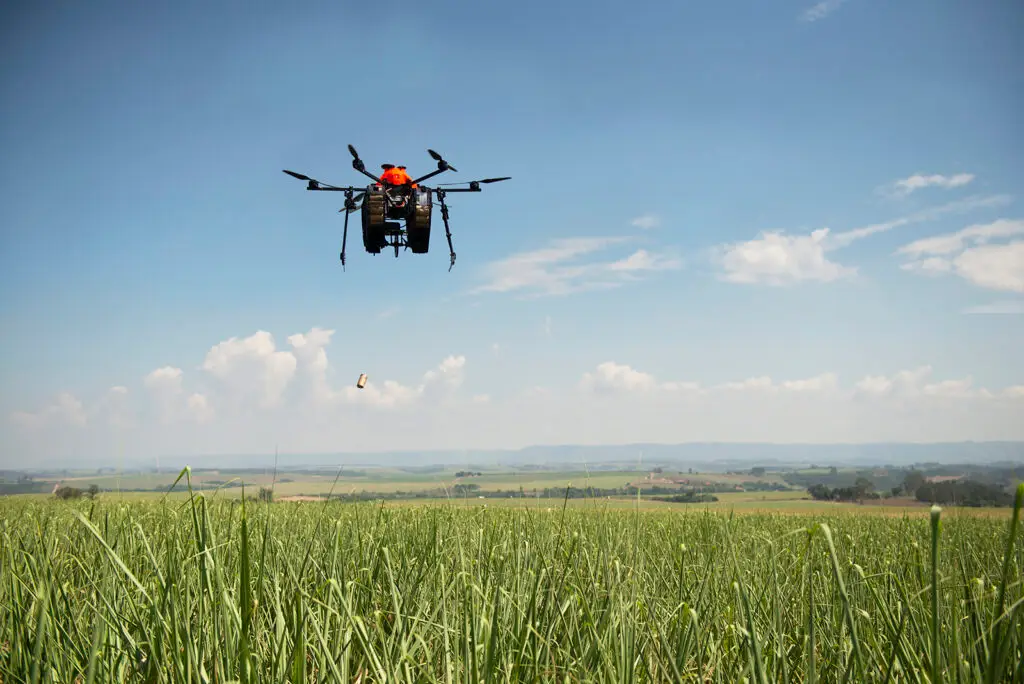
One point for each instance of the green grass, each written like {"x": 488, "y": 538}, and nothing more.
{"x": 204, "y": 588}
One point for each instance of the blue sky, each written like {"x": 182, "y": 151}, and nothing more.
{"x": 654, "y": 154}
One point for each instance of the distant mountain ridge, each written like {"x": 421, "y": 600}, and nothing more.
{"x": 697, "y": 455}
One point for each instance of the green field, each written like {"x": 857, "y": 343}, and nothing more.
{"x": 200, "y": 588}
{"x": 368, "y": 480}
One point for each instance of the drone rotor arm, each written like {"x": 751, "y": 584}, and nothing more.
{"x": 476, "y": 182}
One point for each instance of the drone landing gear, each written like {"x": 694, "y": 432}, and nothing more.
{"x": 350, "y": 206}
{"x": 447, "y": 230}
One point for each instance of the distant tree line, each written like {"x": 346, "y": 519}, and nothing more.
{"x": 861, "y": 490}
{"x": 687, "y": 497}
{"x": 465, "y": 489}
{"x": 963, "y": 493}
{"x": 960, "y": 492}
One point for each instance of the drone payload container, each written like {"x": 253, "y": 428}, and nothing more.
{"x": 361, "y": 383}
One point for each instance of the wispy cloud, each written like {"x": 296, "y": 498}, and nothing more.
{"x": 646, "y": 222}
{"x": 968, "y": 253}
{"x": 1005, "y": 307}
{"x": 560, "y": 268}
{"x": 920, "y": 181}
{"x": 821, "y": 10}
{"x": 776, "y": 258}
{"x": 978, "y": 234}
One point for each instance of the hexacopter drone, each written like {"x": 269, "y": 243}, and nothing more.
{"x": 387, "y": 205}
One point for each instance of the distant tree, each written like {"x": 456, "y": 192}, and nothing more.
{"x": 897, "y": 490}
{"x": 863, "y": 486}
{"x": 68, "y": 493}
{"x": 820, "y": 492}
{"x": 833, "y": 470}
{"x": 757, "y": 472}
{"x": 913, "y": 481}
{"x": 93, "y": 490}
{"x": 266, "y": 494}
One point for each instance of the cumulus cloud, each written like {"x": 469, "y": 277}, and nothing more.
{"x": 613, "y": 401}
{"x": 615, "y": 377}
{"x": 776, "y": 258}
{"x": 251, "y": 367}
{"x": 971, "y": 255}
{"x": 914, "y": 383}
{"x": 560, "y": 268}
{"x": 245, "y": 393}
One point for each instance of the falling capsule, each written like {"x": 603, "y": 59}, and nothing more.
{"x": 362, "y": 381}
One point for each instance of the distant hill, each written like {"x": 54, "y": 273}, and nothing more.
{"x": 699, "y": 456}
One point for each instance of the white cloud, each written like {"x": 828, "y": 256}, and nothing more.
{"x": 66, "y": 409}
{"x": 642, "y": 260}
{"x": 994, "y": 267}
{"x": 251, "y": 367}
{"x": 911, "y": 384}
{"x": 309, "y": 350}
{"x": 611, "y": 377}
{"x": 1008, "y": 306}
{"x": 199, "y": 407}
{"x": 824, "y": 383}
{"x": 821, "y": 10}
{"x": 919, "y": 181}
{"x": 978, "y": 234}
{"x": 969, "y": 254}
{"x": 115, "y": 407}
{"x": 775, "y": 258}
{"x": 615, "y": 377}
{"x": 612, "y": 402}
{"x": 558, "y": 270}
{"x": 646, "y": 222}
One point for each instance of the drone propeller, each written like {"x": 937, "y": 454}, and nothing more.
{"x": 353, "y": 204}
{"x": 358, "y": 164}
{"x": 297, "y": 175}
{"x": 441, "y": 163}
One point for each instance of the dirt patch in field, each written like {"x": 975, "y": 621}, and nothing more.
{"x": 300, "y": 498}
